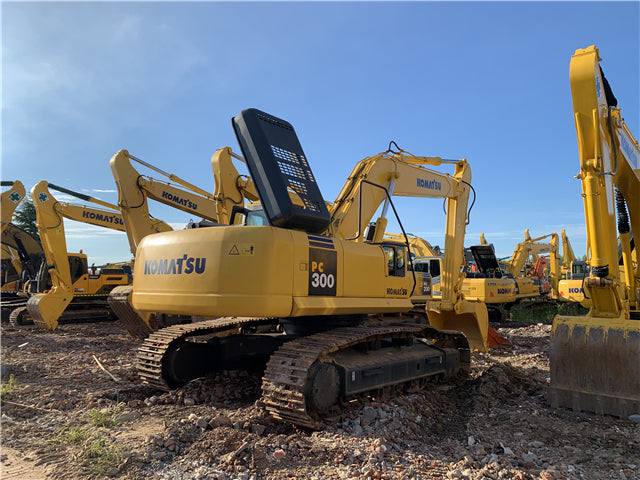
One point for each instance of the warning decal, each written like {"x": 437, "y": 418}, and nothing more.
{"x": 243, "y": 249}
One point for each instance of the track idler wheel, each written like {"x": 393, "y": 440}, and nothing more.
{"x": 323, "y": 388}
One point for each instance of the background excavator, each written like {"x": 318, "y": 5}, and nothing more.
{"x": 22, "y": 254}
{"x": 426, "y": 261}
{"x": 134, "y": 192}
{"x": 11, "y": 268}
{"x": 527, "y": 265}
{"x": 484, "y": 283}
{"x": 27, "y": 257}
{"x": 325, "y": 304}
{"x": 494, "y": 290}
{"x": 72, "y": 283}
{"x": 572, "y": 274}
{"x": 595, "y": 358}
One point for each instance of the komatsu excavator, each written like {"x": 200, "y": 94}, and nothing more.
{"x": 572, "y": 274}
{"x": 595, "y": 359}
{"x": 426, "y": 263}
{"x": 341, "y": 297}
{"x": 134, "y": 192}
{"x": 529, "y": 285}
{"x": 72, "y": 282}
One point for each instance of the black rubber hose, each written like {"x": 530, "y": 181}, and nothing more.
{"x": 622, "y": 214}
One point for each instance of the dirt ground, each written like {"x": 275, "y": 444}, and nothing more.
{"x": 65, "y": 417}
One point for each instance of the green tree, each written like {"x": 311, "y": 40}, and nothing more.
{"x": 25, "y": 218}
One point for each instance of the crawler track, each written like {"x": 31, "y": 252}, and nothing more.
{"x": 285, "y": 377}
{"x": 287, "y": 372}
{"x": 152, "y": 354}
{"x": 82, "y": 310}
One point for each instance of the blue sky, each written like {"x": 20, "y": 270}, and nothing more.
{"x": 486, "y": 81}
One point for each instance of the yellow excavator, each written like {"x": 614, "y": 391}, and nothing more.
{"x": 426, "y": 263}
{"x": 326, "y": 304}
{"x": 522, "y": 265}
{"x": 11, "y": 271}
{"x": 572, "y": 274}
{"x": 595, "y": 359}
{"x": 26, "y": 255}
{"x": 418, "y": 247}
{"x": 78, "y": 292}
{"x": 22, "y": 253}
{"x": 134, "y": 192}
{"x": 430, "y": 264}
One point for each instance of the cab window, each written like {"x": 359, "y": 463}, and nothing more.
{"x": 395, "y": 260}
{"x": 434, "y": 268}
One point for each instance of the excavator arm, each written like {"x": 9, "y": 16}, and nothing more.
{"x": 530, "y": 248}
{"x": 11, "y": 198}
{"x": 47, "y": 307}
{"x": 568, "y": 257}
{"x": 375, "y": 178}
{"x": 399, "y": 173}
{"x": 231, "y": 188}
{"x": 595, "y": 359}
{"x": 135, "y": 189}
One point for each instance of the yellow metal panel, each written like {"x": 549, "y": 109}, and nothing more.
{"x": 526, "y": 288}
{"x": 363, "y": 271}
{"x": 489, "y": 290}
{"x": 346, "y": 306}
{"x": 242, "y": 271}
{"x": 570, "y": 291}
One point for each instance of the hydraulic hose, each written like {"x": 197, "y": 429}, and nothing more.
{"x": 622, "y": 214}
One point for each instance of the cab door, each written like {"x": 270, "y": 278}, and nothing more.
{"x": 398, "y": 281}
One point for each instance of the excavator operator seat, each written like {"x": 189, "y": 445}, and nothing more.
{"x": 278, "y": 165}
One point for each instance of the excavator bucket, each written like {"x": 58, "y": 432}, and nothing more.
{"x": 46, "y": 308}
{"x": 471, "y": 319}
{"x": 138, "y": 325}
{"x": 595, "y": 365}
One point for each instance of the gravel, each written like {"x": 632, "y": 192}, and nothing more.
{"x": 496, "y": 425}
